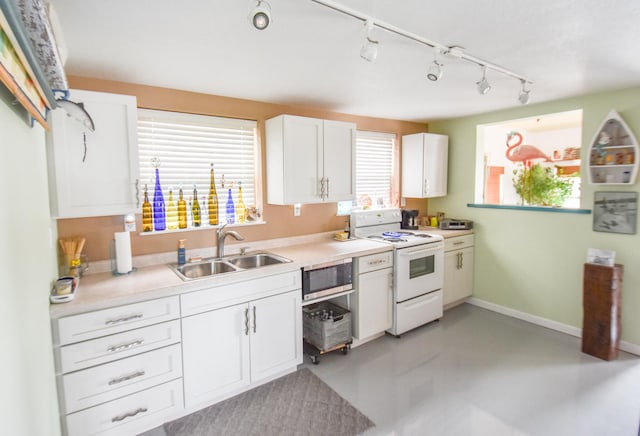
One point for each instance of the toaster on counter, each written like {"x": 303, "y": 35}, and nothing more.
{"x": 455, "y": 224}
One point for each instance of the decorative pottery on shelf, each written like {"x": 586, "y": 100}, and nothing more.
{"x": 613, "y": 156}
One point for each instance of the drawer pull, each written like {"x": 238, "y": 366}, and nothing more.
{"x": 129, "y": 415}
{"x": 126, "y": 318}
{"x": 115, "y": 381}
{"x": 125, "y": 346}
{"x": 458, "y": 243}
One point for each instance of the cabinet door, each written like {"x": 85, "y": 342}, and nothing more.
{"x": 94, "y": 173}
{"x": 276, "y": 340}
{"x": 458, "y": 275}
{"x": 339, "y": 160}
{"x": 412, "y": 166}
{"x": 373, "y": 303}
{"x": 435, "y": 157}
{"x": 302, "y": 159}
{"x": 215, "y": 353}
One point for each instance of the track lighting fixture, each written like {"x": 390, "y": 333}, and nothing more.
{"x": 434, "y": 73}
{"x": 369, "y": 50}
{"x": 523, "y": 97}
{"x": 483, "y": 84}
{"x": 260, "y": 14}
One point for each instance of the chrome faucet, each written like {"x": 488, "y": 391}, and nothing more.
{"x": 222, "y": 235}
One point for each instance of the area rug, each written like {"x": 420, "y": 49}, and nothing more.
{"x": 296, "y": 404}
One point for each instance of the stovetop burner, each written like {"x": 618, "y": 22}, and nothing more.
{"x": 388, "y": 238}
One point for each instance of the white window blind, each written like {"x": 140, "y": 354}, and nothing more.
{"x": 374, "y": 167}
{"x": 186, "y": 145}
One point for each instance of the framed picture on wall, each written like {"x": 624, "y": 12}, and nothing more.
{"x": 615, "y": 212}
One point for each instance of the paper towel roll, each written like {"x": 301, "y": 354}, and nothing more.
{"x": 123, "y": 252}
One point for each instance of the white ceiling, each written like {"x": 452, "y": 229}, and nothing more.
{"x": 309, "y": 56}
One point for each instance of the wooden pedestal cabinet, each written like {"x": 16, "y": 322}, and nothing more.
{"x": 602, "y": 289}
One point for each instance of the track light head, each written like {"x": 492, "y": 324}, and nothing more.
{"x": 523, "y": 97}
{"x": 260, "y": 15}
{"x": 483, "y": 84}
{"x": 369, "y": 49}
{"x": 435, "y": 71}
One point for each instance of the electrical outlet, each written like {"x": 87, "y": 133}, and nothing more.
{"x": 296, "y": 209}
{"x": 403, "y": 202}
{"x": 130, "y": 223}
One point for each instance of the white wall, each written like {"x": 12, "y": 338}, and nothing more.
{"x": 28, "y": 404}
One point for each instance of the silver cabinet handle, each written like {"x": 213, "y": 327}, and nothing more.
{"x": 124, "y": 319}
{"x": 125, "y": 346}
{"x": 115, "y": 381}
{"x": 137, "y": 193}
{"x": 254, "y": 319}
{"x": 327, "y": 193}
{"x": 461, "y": 260}
{"x": 129, "y": 414}
{"x": 246, "y": 321}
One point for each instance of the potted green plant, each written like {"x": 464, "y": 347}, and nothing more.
{"x": 539, "y": 186}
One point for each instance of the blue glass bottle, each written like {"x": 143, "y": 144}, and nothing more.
{"x": 159, "y": 214}
{"x": 231, "y": 209}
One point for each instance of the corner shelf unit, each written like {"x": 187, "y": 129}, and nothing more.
{"x": 614, "y": 153}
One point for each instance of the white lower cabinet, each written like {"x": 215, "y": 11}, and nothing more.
{"x": 120, "y": 369}
{"x": 458, "y": 269}
{"x": 372, "y": 302}
{"x": 228, "y": 349}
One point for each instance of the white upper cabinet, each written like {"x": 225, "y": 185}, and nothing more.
{"x": 94, "y": 173}
{"x": 424, "y": 165}
{"x": 309, "y": 160}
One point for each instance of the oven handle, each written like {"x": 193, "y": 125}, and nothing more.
{"x": 419, "y": 250}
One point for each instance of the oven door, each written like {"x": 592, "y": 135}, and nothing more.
{"x": 419, "y": 270}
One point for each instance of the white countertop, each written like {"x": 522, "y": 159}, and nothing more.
{"x": 104, "y": 290}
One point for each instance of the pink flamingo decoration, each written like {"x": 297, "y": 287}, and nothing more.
{"x": 523, "y": 153}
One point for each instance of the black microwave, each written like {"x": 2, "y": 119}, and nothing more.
{"x": 327, "y": 279}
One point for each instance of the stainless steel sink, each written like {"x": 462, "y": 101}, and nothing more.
{"x": 211, "y": 267}
{"x": 203, "y": 269}
{"x": 256, "y": 260}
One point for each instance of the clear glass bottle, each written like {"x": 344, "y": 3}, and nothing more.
{"x": 159, "y": 212}
{"x": 195, "y": 209}
{"x": 172, "y": 212}
{"x": 182, "y": 212}
{"x": 241, "y": 209}
{"x": 147, "y": 213}
{"x": 213, "y": 201}
{"x": 230, "y": 209}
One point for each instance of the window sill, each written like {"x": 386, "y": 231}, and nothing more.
{"x": 531, "y": 208}
{"x": 204, "y": 227}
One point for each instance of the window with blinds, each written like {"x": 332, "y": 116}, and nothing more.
{"x": 186, "y": 145}
{"x": 374, "y": 168}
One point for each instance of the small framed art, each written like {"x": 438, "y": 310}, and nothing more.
{"x": 615, "y": 212}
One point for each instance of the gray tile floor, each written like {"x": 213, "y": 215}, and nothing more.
{"x": 476, "y": 372}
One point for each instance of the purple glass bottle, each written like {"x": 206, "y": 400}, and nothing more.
{"x": 159, "y": 214}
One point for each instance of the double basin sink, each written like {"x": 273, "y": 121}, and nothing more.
{"x": 215, "y": 266}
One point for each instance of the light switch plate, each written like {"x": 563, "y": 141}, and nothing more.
{"x": 130, "y": 223}
{"x": 296, "y": 209}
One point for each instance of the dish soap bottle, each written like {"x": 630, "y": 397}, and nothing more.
{"x": 195, "y": 208}
{"x": 182, "y": 212}
{"x": 147, "y": 213}
{"x": 182, "y": 257}
{"x": 241, "y": 209}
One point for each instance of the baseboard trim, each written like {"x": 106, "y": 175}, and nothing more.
{"x": 544, "y": 322}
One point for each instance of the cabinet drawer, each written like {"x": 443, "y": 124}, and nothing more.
{"x": 458, "y": 242}
{"x": 89, "y": 387}
{"x": 241, "y": 292}
{"x": 375, "y": 262}
{"x": 129, "y": 415}
{"x": 109, "y": 321}
{"x": 102, "y": 350}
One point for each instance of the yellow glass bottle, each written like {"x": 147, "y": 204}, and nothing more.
{"x": 213, "y": 201}
{"x": 147, "y": 213}
{"x": 195, "y": 209}
{"x": 182, "y": 212}
{"x": 172, "y": 213}
{"x": 241, "y": 209}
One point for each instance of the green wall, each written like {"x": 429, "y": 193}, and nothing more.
{"x": 28, "y": 404}
{"x": 532, "y": 261}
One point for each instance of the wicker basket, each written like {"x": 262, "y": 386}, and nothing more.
{"x": 326, "y": 333}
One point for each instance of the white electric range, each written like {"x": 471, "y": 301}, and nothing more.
{"x": 418, "y": 261}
